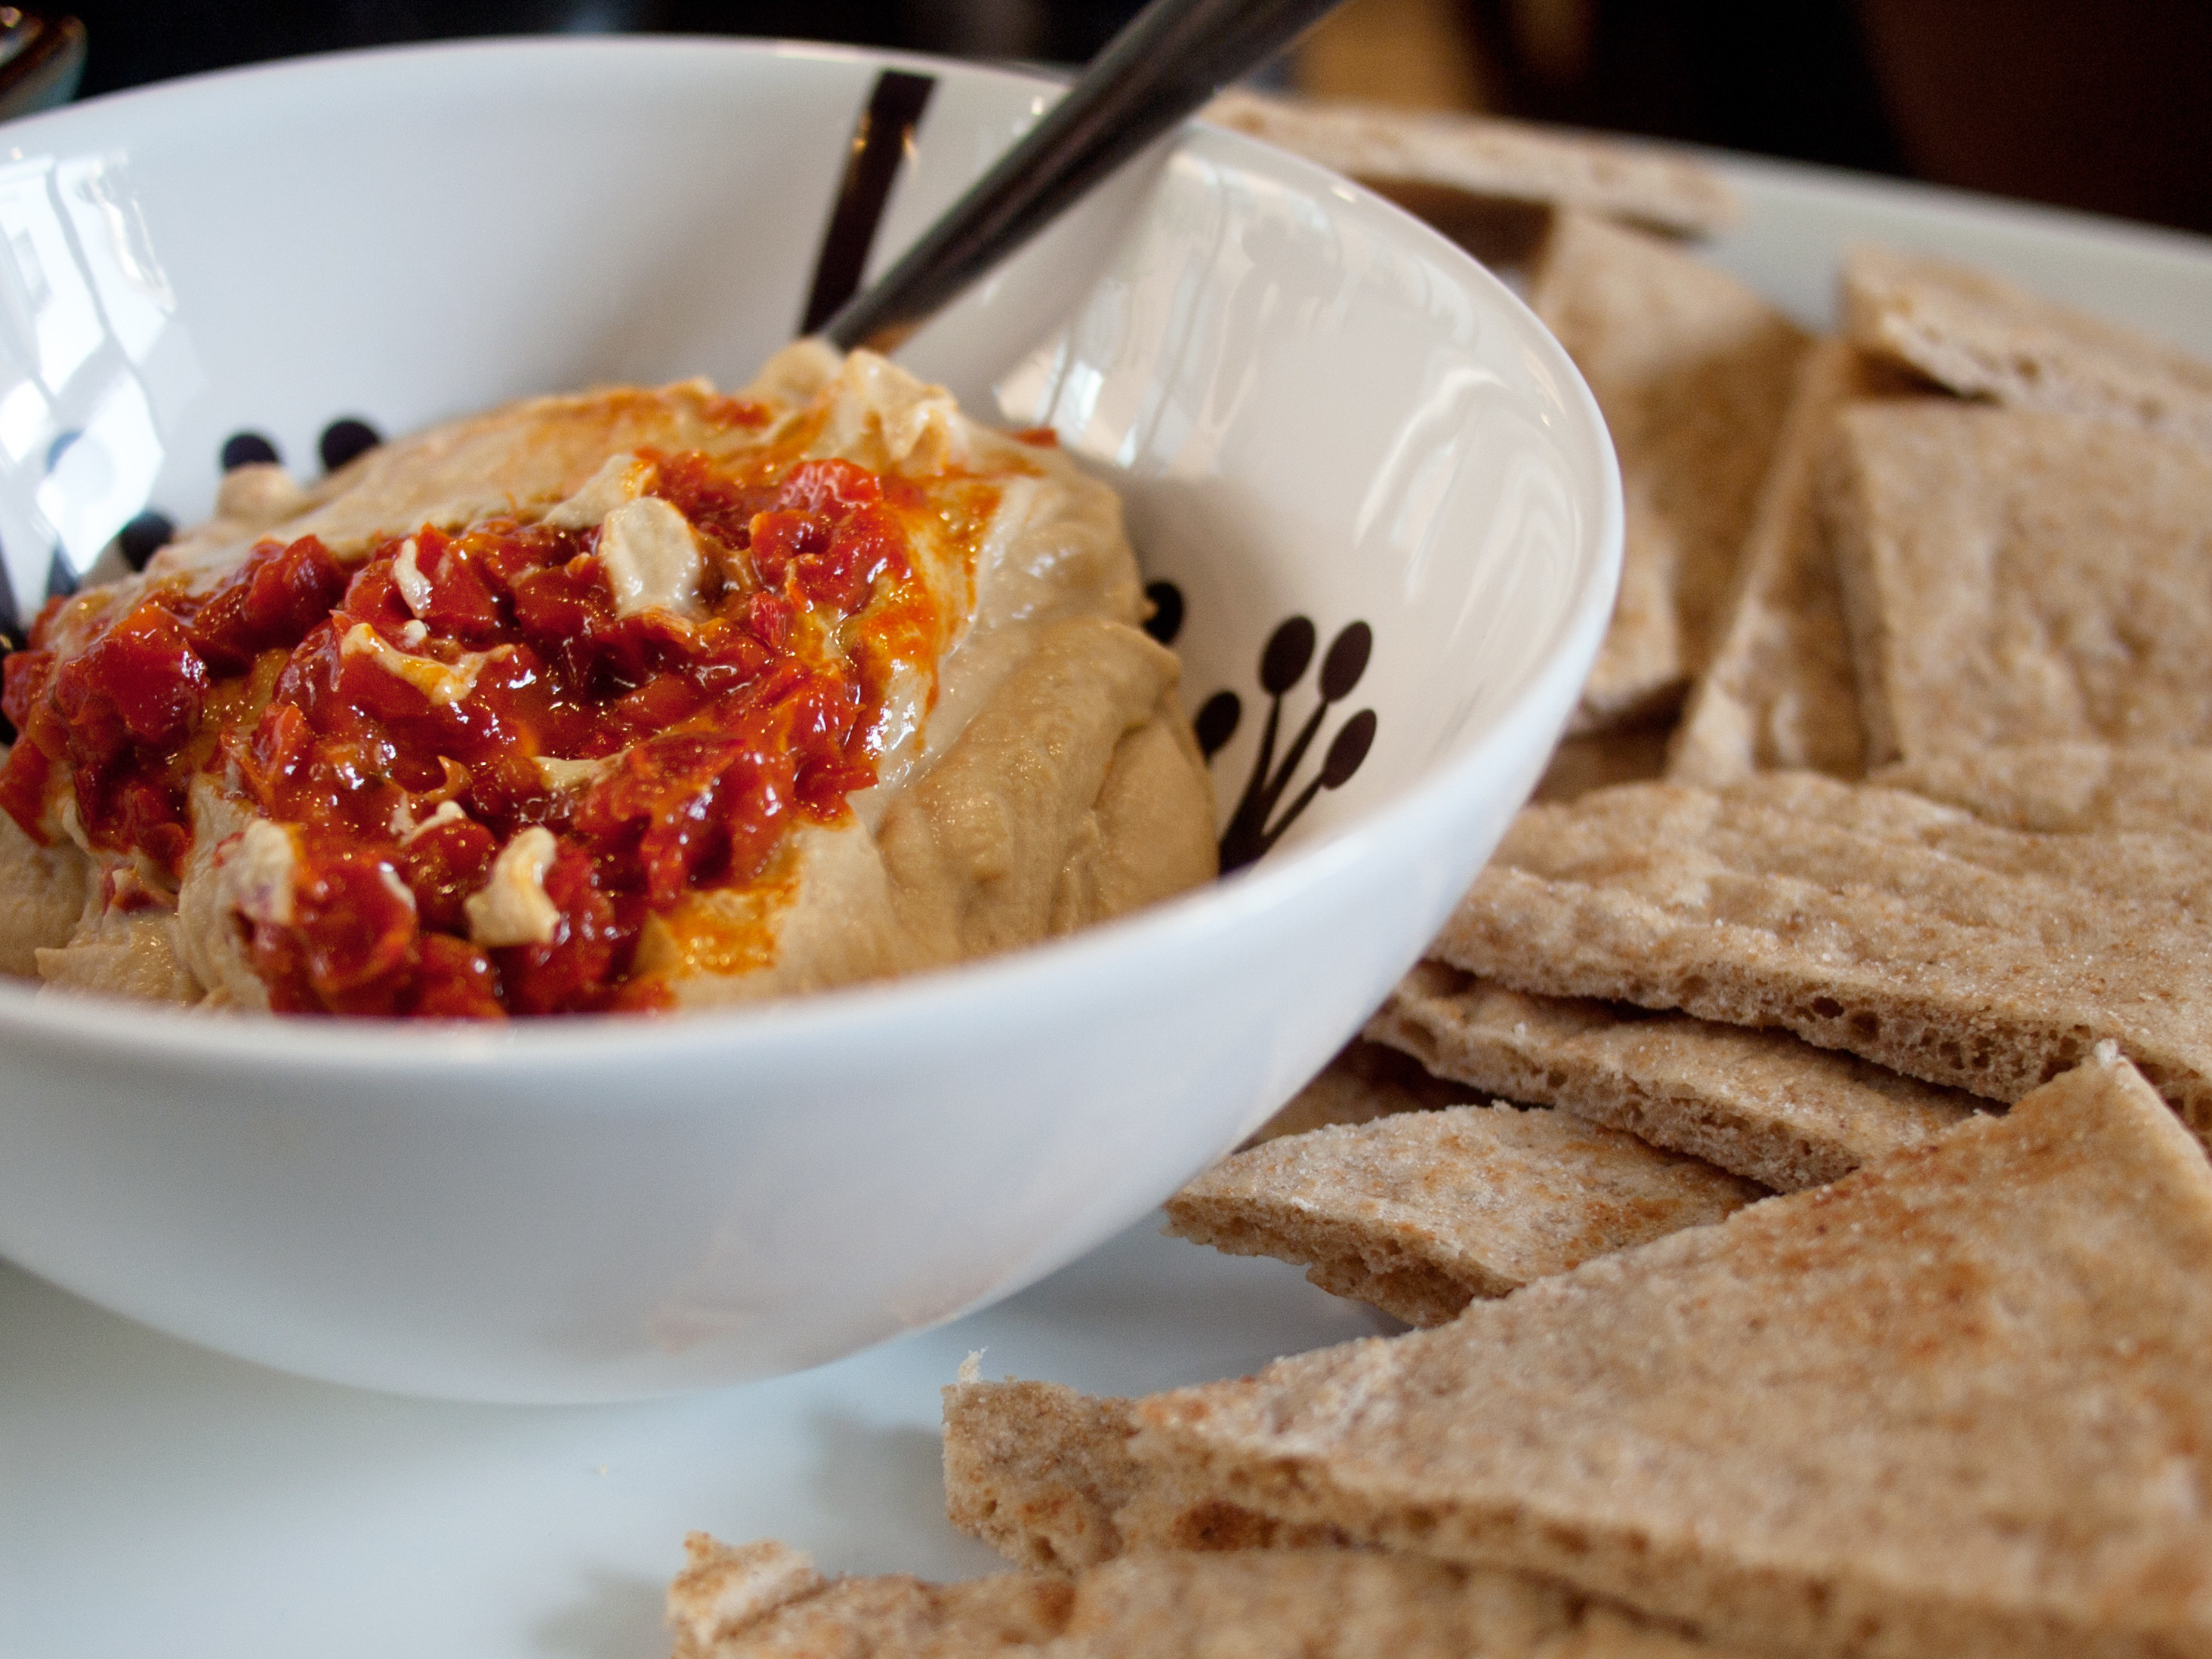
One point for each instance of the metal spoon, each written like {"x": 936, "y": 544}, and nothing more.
{"x": 1173, "y": 56}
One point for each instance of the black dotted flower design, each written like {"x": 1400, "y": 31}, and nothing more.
{"x": 342, "y": 441}
{"x": 1257, "y": 826}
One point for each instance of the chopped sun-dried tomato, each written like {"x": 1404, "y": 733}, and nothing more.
{"x": 271, "y": 600}
{"x": 489, "y": 673}
{"x": 140, "y": 685}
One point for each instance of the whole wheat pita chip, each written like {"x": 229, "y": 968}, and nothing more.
{"x": 1342, "y": 1604}
{"x": 1298, "y": 1604}
{"x": 1692, "y": 371}
{"x": 1328, "y": 1604}
{"x": 1869, "y": 920}
{"x": 1779, "y": 693}
{"x": 2066, "y": 788}
{"x": 1421, "y": 1213}
{"x": 1037, "y": 1471}
{"x": 1979, "y": 335}
{"x": 1365, "y": 1081}
{"x": 1955, "y": 1404}
{"x": 1486, "y": 158}
{"x": 2015, "y": 578}
{"x": 765, "y": 1601}
{"x": 1597, "y": 760}
{"x": 1042, "y": 1474}
{"x": 1765, "y": 1105}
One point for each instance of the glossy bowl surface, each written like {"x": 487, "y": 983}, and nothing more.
{"x": 1372, "y": 488}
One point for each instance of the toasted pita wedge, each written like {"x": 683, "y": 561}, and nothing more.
{"x": 1953, "y": 1404}
{"x": 1692, "y": 371}
{"x": 1780, "y": 693}
{"x": 1342, "y": 1604}
{"x": 2066, "y": 788}
{"x": 1365, "y": 1081}
{"x": 1608, "y": 1633}
{"x": 1764, "y": 1105}
{"x": 1979, "y": 335}
{"x": 766, "y": 1599}
{"x": 1043, "y": 1475}
{"x": 1867, "y": 920}
{"x": 2014, "y": 577}
{"x": 1036, "y": 1470}
{"x": 1421, "y": 1213}
{"x": 1597, "y": 760}
{"x": 1301, "y": 1604}
{"x": 1486, "y": 158}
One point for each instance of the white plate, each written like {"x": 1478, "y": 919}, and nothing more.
{"x": 157, "y": 1499}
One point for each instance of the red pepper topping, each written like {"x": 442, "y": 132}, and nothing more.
{"x": 833, "y": 488}
{"x": 443, "y": 864}
{"x": 25, "y": 675}
{"x": 139, "y": 685}
{"x": 455, "y": 980}
{"x": 118, "y": 712}
{"x": 680, "y": 753}
{"x": 468, "y": 579}
{"x": 355, "y": 931}
{"x": 583, "y": 964}
{"x": 23, "y": 786}
{"x": 269, "y": 601}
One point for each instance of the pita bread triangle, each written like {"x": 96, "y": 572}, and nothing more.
{"x": 764, "y": 1600}
{"x": 1420, "y": 1212}
{"x": 1958, "y": 1403}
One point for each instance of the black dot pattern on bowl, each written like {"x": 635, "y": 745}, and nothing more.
{"x": 1166, "y": 620}
{"x": 143, "y": 537}
{"x": 1349, "y": 748}
{"x": 1256, "y": 825}
{"x": 59, "y": 447}
{"x": 1288, "y": 650}
{"x": 1347, "y": 662}
{"x": 247, "y": 449}
{"x": 344, "y": 439}
{"x": 1217, "y": 722}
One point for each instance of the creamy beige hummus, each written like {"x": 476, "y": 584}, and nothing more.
{"x": 1038, "y": 777}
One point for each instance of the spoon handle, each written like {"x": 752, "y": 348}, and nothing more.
{"x": 1173, "y": 56}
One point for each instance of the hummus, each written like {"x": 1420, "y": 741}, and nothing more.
{"x": 627, "y": 699}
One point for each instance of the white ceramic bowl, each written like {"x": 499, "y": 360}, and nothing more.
{"x": 1316, "y": 409}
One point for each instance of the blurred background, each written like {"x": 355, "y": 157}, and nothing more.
{"x": 2095, "y": 105}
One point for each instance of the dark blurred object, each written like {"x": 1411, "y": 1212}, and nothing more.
{"x": 1777, "y": 79}
{"x": 2091, "y": 106}
{"x": 1045, "y": 31}
{"x": 135, "y": 41}
{"x": 2097, "y": 107}
{"x": 41, "y": 59}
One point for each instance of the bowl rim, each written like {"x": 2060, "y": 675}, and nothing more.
{"x": 1043, "y": 976}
